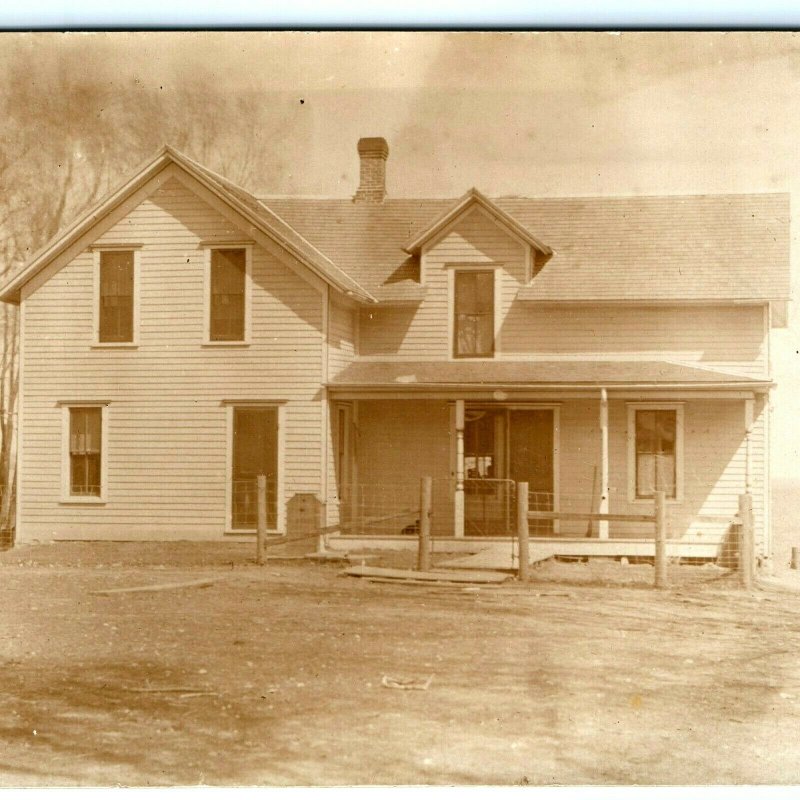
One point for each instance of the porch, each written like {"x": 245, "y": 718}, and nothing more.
{"x": 582, "y": 451}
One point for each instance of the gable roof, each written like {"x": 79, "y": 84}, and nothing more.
{"x": 669, "y": 249}
{"x": 246, "y": 204}
{"x": 672, "y": 249}
{"x": 473, "y": 198}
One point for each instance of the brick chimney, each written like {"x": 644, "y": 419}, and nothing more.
{"x": 373, "y": 153}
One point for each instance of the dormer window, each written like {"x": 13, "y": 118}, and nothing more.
{"x": 473, "y": 314}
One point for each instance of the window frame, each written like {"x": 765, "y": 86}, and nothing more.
{"x": 231, "y": 407}
{"x": 453, "y": 271}
{"x": 248, "y": 293}
{"x": 66, "y": 467}
{"x": 97, "y": 253}
{"x": 678, "y": 408}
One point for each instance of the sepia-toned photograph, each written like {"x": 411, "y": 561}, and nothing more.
{"x": 391, "y": 408}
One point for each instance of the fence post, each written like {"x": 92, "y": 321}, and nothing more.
{"x": 746, "y": 541}
{"x": 261, "y": 527}
{"x": 425, "y": 502}
{"x": 522, "y": 530}
{"x": 661, "y": 540}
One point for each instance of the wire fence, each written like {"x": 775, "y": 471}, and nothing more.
{"x": 244, "y": 504}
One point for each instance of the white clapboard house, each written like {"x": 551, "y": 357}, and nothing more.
{"x": 186, "y": 335}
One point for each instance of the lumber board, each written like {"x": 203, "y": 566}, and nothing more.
{"x": 157, "y": 587}
{"x": 451, "y": 576}
{"x": 572, "y": 516}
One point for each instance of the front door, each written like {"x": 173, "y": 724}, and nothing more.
{"x": 501, "y": 447}
{"x": 531, "y": 459}
{"x": 255, "y": 452}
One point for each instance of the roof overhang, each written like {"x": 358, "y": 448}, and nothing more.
{"x": 471, "y": 198}
{"x": 397, "y": 378}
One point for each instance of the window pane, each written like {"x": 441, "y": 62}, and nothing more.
{"x": 85, "y": 450}
{"x": 474, "y": 314}
{"x": 227, "y": 295}
{"x": 116, "y": 296}
{"x": 656, "y": 435}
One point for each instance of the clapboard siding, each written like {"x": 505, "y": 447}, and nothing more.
{"x": 341, "y": 338}
{"x": 729, "y": 338}
{"x": 167, "y": 424}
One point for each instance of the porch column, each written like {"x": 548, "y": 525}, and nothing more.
{"x": 603, "y": 527}
{"x": 459, "y": 493}
{"x": 749, "y": 413}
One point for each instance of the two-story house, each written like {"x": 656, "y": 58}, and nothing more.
{"x": 185, "y": 336}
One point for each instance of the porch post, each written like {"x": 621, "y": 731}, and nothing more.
{"x": 749, "y": 412}
{"x": 603, "y": 526}
{"x": 459, "y": 493}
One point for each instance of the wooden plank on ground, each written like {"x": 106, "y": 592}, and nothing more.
{"x": 452, "y": 576}
{"x": 157, "y": 587}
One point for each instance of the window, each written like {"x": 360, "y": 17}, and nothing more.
{"x": 254, "y": 452}
{"x": 84, "y": 452}
{"x": 228, "y": 295}
{"x": 473, "y": 334}
{"x": 116, "y": 276}
{"x": 655, "y": 452}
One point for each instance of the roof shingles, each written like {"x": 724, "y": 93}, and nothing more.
{"x": 673, "y": 248}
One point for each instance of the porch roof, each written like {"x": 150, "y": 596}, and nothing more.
{"x": 399, "y": 375}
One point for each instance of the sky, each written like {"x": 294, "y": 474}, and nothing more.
{"x": 547, "y": 114}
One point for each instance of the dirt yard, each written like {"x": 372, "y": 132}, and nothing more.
{"x": 273, "y": 675}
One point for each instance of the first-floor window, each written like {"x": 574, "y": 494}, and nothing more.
{"x": 255, "y": 452}
{"x": 85, "y": 451}
{"x": 656, "y": 451}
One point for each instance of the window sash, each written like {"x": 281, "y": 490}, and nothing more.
{"x": 116, "y": 296}
{"x": 656, "y": 461}
{"x": 474, "y": 313}
{"x": 227, "y": 311}
{"x": 85, "y": 451}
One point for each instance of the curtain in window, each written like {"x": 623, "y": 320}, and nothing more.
{"x": 85, "y": 429}
{"x": 656, "y": 433}
{"x": 474, "y": 313}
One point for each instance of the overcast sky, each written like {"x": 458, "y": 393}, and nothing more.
{"x": 529, "y": 114}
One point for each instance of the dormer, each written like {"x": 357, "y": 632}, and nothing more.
{"x": 471, "y": 203}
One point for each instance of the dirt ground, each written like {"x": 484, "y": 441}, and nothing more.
{"x": 273, "y": 675}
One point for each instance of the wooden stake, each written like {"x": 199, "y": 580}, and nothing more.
{"x": 261, "y": 529}
{"x": 604, "y": 490}
{"x": 425, "y": 502}
{"x": 746, "y": 543}
{"x": 522, "y": 530}
{"x": 796, "y": 558}
{"x": 661, "y": 540}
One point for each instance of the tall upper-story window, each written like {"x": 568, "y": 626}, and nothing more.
{"x": 473, "y": 314}
{"x": 115, "y": 320}
{"x": 228, "y": 294}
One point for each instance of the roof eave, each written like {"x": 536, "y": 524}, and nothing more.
{"x": 11, "y": 292}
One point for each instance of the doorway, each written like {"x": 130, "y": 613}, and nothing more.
{"x": 501, "y": 447}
